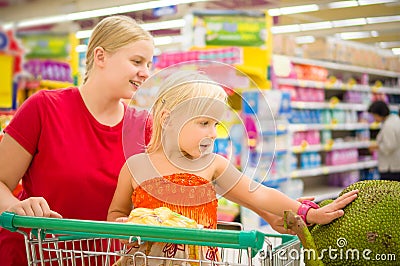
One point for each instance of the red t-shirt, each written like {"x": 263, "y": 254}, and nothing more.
{"x": 76, "y": 160}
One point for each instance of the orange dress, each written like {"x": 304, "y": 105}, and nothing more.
{"x": 187, "y": 194}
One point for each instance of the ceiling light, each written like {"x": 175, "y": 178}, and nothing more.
{"x": 165, "y": 40}
{"x": 305, "y": 39}
{"x": 342, "y": 4}
{"x": 329, "y": 24}
{"x": 349, "y": 22}
{"x": 285, "y": 29}
{"x": 389, "y": 44}
{"x": 316, "y": 26}
{"x": 94, "y": 13}
{"x": 374, "y": 20}
{"x": 292, "y": 10}
{"x": 354, "y": 35}
{"x": 396, "y": 51}
{"x": 274, "y": 12}
{"x": 100, "y": 12}
{"x": 298, "y": 9}
{"x": 41, "y": 21}
{"x": 169, "y": 24}
{"x": 373, "y": 2}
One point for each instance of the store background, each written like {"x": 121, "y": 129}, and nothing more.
{"x": 325, "y": 63}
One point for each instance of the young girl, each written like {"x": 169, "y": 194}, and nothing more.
{"x": 179, "y": 170}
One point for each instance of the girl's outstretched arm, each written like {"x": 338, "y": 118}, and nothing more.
{"x": 235, "y": 186}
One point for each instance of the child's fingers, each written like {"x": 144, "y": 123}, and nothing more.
{"x": 346, "y": 198}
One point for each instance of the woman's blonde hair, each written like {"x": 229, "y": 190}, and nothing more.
{"x": 178, "y": 88}
{"x": 112, "y": 33}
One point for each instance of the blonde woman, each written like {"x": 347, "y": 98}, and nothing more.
{"x": 180, "y": 171}
{"x": 66, "y": 144}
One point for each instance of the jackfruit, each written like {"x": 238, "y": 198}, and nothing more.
{"x": 367, "y": 234}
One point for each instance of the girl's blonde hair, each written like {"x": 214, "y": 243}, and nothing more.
{"x": 178, "y": 88}
{"x": 112, "y": 33}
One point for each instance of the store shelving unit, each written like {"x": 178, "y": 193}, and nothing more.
{"x": 331, "y": 146}
{"x": 324, "y": 170}
{"x": 344, "y": 67}
{"x": 315, "y": 178}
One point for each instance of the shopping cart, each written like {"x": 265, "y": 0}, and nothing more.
{"x": 52, "y": 241}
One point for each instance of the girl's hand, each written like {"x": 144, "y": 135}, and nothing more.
{"x": 34, "y": 206}
{"x": 331, "y": 211}
{"x": 277, "y": 222}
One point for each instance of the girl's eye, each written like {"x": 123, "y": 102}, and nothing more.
{"x": 216, "y": 124}
{"x": 204, "y": 123}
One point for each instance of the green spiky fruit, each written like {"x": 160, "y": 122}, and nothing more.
{"x": 368, "y": 233}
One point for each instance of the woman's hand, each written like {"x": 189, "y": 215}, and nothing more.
{"x": 34, "y": 206}
{"x": 331, "y": 211}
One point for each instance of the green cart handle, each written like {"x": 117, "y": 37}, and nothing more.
{"x": 205, "y": 237}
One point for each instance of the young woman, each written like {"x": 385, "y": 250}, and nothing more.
{"x": 179, "y": 170}
{"x": 66, "y": 145}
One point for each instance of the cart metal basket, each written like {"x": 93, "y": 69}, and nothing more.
{"x": 67, "y": 242}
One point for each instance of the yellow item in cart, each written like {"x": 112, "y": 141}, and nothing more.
{"x": 162, "y": 216}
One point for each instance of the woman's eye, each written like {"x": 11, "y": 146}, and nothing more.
{"x": 205, "y": 123}
{"x": 216, "y": 124}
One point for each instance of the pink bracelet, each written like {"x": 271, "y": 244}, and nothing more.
{"x": 304, "y": 208}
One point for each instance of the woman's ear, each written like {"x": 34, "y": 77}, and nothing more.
{"x": 99, "y": 55}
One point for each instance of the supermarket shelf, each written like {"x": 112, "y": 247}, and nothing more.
{"x": 330, "y": 147}
{"x": 323, "y": 85}
{"x": 349, "y": 126}
{"x": 327, "y": 105}
{"x": 337, "y": 86}
{"x": 324, "y": 170}
{"x": 323, "y": 192}
{"x": 385, "y": 90}
{"x": 343, "y": 67}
